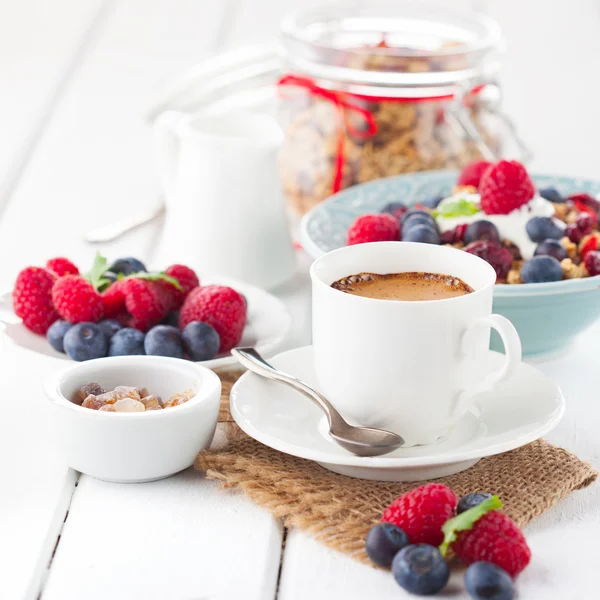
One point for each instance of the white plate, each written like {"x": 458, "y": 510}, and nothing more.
{"x": 518, "y": 412}
{"x": 269, "y": 323}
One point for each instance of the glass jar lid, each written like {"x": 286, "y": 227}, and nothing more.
{"x": 389, "y": 44}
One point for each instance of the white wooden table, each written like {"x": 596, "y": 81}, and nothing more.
{"x": 75, "y": 77}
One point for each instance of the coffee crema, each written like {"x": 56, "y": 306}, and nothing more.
{"x": 411, "y": 286}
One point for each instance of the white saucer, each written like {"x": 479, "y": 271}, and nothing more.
{"x": 268, "y": 325}
{"x": 518, "y": 412}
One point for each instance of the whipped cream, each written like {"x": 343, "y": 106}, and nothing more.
{"x": 511, "y": 226}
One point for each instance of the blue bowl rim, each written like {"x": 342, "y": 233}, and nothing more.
{"x": 501, "y": 290}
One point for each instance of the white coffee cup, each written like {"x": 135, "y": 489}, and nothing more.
{"x": 413, "y": 367}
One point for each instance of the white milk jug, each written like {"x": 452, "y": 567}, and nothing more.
{"x": 224, "y": 201}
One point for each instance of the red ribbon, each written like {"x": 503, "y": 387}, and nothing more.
{"x": 346, "y": 104}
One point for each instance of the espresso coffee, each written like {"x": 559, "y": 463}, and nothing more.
{"x": 403, "y": 286}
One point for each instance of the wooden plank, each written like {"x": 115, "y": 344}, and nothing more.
{"x": 36, "y": 484}
{"x": 40, "y": 45}
{"x": 95, "y": 162}
{"x": 551, "y": 574}
{"x": 179, "y": 538}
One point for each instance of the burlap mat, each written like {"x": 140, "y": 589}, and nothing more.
{"x": 339, "y": 510}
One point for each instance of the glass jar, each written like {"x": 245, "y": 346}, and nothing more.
{"x": 389, "y": 88}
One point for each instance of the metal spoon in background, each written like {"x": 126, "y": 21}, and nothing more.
{"x": 113, "y": 231}
{"x": 362, "y": 441}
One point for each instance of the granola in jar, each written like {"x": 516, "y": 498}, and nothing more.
{"x": 365, "y": 111}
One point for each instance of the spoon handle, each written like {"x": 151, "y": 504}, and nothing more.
{"x": 254, "y": 362}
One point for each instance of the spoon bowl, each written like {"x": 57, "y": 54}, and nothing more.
{"x": 361, "y": 441}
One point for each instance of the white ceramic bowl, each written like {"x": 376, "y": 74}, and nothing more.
{"x": 134, "y": 447}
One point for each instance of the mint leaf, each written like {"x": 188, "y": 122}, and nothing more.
{"x": 466, "y": 520}
{"x": 457, "y": 208}
{"x": 158, "y": 277}
{"x": 95, "y": 274}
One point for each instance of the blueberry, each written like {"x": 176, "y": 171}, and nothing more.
{"x": 412, "y": 212}
{"x": 109, "y": 327}
{"x": 200, "y": 340}
{"x": 127, "y": 266}
{"x": 384, "y": 541}
{"x": 486, "y": 581}
{"x": 85, "y": 341}
{"x": 112, "y": 277}
{"x": 164, "y": 340}
{"x": 551, "y": 248}
{"x": 419, "y": 220}
{"x": 481, "y": 230}
{"x": 56, "y": 334}
{"x": 543, "y": 228}
{"x": 396, "y": 209}
{"x": 126, "y": 342}
{"x": 471, "y": 500}
{"x": 551, "y": 194}
{"x": 171, "y": 319}
{"x": 420, "y": 569}
{"x": 421, "y": 233}
{"x": 432, "y": 202}
{"x": 541, "y": 269}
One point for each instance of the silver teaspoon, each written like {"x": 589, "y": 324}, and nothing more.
{"x": 362, "y": 441}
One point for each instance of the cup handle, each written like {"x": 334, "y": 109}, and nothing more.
{"x": 166, "y": 149}
{"x": 512, "y": 349}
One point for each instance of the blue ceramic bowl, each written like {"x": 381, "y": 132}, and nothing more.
{"x": 547, "y": 316}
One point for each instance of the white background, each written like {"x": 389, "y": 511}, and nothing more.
{"x": 75, "y": 79}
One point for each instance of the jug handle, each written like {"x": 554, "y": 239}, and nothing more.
{"x": 166, "y": 149}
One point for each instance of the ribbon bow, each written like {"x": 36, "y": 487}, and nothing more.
{"x": 345, "y": 105}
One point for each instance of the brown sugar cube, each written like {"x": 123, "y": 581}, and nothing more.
{"x": 89, "y": 389}
{"x": 152, "y": 402}
{"x": 93, "y": 402}
{"x": 178, "y": 399}
{"x": 143, "y": 392}
{"x": 128, "y": 405}
{"x": 127, "y": 391}
{"x": 119, "y": 393}
{"x": 107, "y": 408}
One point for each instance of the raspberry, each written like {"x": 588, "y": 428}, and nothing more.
{"x": 219, "y": 306}
{"x": 62, "y": 266}
{"x": 495, "y": 254}
{"x": 188, "y": 281}
{"x": 494, "y": 538}
{"x": 588, "y": 246}
{"x": 374, "y": 228}
{"x": 585, "y": 203}
{"x": 504, "y": 187}
{"x": 422, "y": 512}
{"x": 76, "y": 300}
{"x": 32, "y": 299}
{"x": 471, "y": 174}
{"x": 592, "y": 262}
{"x": 453, "y": 236}
{"x": 573, "y": 232}
{"x": 584, "y": 224}
{"x": 137, "y": 303}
